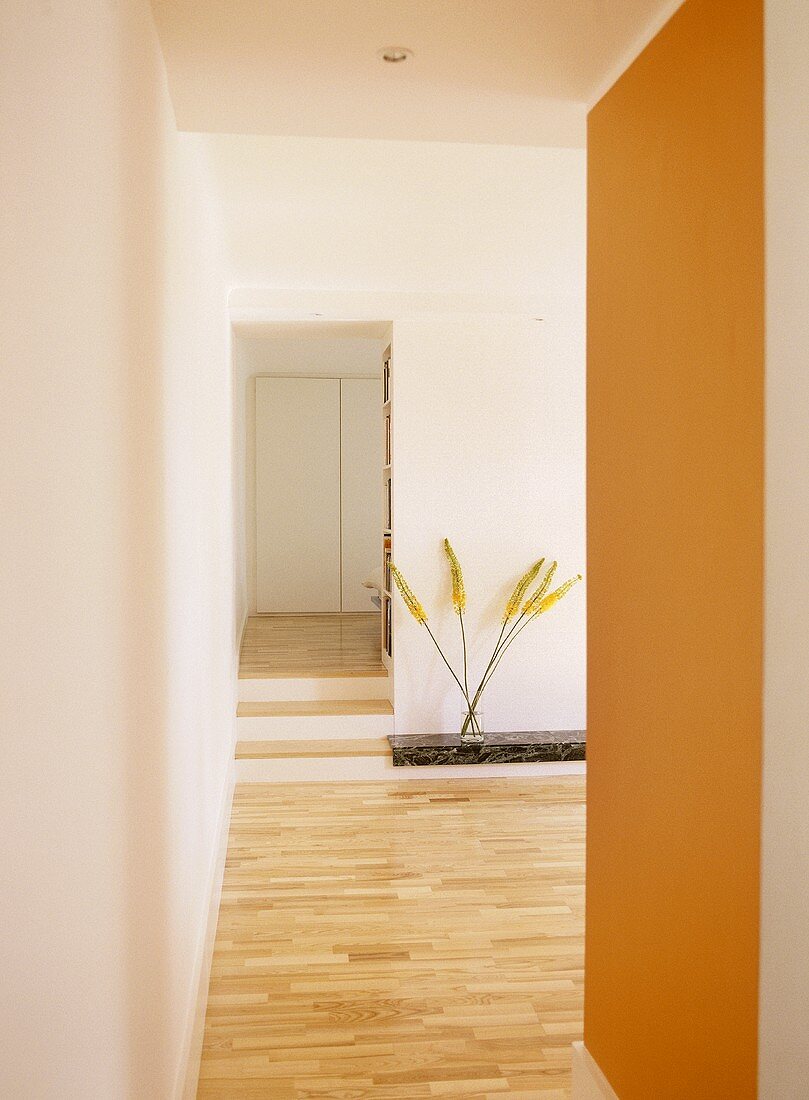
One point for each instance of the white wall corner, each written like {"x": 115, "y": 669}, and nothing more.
{"x": 589, "y": 1083}
{"x": 195, "y": 1029}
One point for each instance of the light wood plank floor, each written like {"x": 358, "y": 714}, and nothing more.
{"x": 308, "y": 748}
{"x": 399, "y": 940}
{"x": 314, "y": 708}
{"x": 311, "y": 645}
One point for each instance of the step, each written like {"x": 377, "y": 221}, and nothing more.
{"x": 313, "y": 708}
{"x": 313, "y": 719}
{"x": 310, "y": 749}
{"x": 285, "y": 689}
{"x": 351, "y": 768}
{"x": 313, "y": 760}
{"x": 329, "y": 672}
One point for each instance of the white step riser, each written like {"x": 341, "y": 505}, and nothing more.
{"x": 306, "y": 688}
{"x": 316, "y": 727}
{"x": 337, "y": 769}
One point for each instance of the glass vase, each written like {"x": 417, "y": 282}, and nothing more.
{"x": 472, "y": 727}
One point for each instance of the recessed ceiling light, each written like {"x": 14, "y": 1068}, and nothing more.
{"x": 394, "y": 54}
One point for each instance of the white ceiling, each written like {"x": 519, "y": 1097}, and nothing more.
{"x": 516, "y": 72}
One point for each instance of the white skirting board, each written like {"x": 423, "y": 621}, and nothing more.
{"x": 589, "y": 1083}
{"x": 365, "y": 768}
{"x": 195, "y": 1029}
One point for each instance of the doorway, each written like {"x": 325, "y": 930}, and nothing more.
{"x": 312, "y": 470}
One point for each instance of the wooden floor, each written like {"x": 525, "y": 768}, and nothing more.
{"x": 311, "y": 645}
{"x": 329, "y": 748}
{"x": 399, "y": 940}
{"x": 314, "y": 708}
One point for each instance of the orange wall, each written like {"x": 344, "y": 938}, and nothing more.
{"x": 675, "y": 393}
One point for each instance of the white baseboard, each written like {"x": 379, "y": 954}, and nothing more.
{"x": 589, "y": 1083}
{"x": 364, "y": 768}
{"x": 195, "y": 1029}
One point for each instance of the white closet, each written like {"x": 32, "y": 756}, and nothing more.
{"x": 318, "y": 500}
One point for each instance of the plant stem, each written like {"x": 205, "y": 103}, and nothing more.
{"x": 449, "y": 666}
{"x": 471, "y": 713}
{"x": 465, "y": 665}
{"x": 493, "y": 664}
{"x": 499, "y": 649}
{"x": 480, "y": 687}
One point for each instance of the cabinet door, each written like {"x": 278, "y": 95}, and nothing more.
{"x": 297, "y": 494}
{"x": 361, "y": 463}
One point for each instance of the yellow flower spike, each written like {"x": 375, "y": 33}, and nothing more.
{"x": 518, "y": 595}
{"x": 458, "y": 590}
{"x": 407, "y": 594}
{"x": 555, "y": 597}
{"x": 531, "y": 604}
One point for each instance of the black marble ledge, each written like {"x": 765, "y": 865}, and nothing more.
{"x": 429, "y": 749}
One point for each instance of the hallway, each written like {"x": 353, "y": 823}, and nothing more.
{"x": 399, "y": 940}
{"x": 298, "y": 297}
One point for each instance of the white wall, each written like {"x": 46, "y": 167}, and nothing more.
{"x": 277, "y": 350}
{"x": 784, "y": 1008}
{"x": 116, "y": 640}
{"x": 317, "y": 213}
{"x": 412, "y": 225}
{"x": 488, "y": 445}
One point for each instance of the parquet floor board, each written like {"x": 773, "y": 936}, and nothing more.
{"x": 311, "y": 645}
{"x": 399, "y": 940}
{"x": 313, "y": 708}
{"x": 308, "y": 748}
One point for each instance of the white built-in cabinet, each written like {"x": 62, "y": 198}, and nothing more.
{"x": 318, "y": 509}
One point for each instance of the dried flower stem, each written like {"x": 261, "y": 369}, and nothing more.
{"x": 518, "y": 614}
{"x": 533, "y": 607}
{"x": 472, "y": 717}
